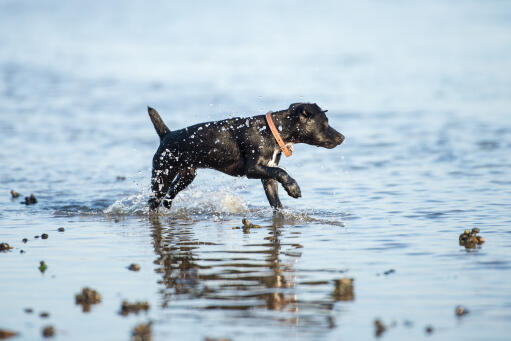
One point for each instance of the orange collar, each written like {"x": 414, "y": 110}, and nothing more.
{"x": 287, "y": 151}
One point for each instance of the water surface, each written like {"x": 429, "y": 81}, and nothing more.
{"x": 422, "y": 92}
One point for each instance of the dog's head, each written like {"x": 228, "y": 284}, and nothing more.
{"x": 312, "y": 126}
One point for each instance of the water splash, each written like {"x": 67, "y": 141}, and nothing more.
{"x": 217, "y": 204}
{"x": 135, "y": 204}
{"x": 191, "y": 202}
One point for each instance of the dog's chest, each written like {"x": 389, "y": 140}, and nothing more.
{"x": 273, "y": 161}
{"x": 276, "y": 152}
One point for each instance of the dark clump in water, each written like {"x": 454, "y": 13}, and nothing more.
{"x": 42, "y": 266}
{"x": 461, "y": 311}
{"x": 408, "y": 323}
{"x": 127, "y": 308}
{"x": 331, "y": 322}
{"x": 61, "y": 229}
{"x": 44, "y": 236}
{"x": 388, "y": 272}
{"x": 44, "y": 315}
{"x": 5, "y": 247}
{"x": 87, "y": 298}
{"x": 28, "y": 310}
{"x": 429, "y": 329}
{"x": 141, "y": 332}
{"x": 471, "y": 239}
{"x": 247, "y": 225}
{"x": 49, "y": 331}
{"x": 120, "y": 178}
{"x": 380, "y": 328}
{"x": 5, "y": 334}
{"x": 343, "y": 290}
{"x": 134, "y": 267}
{"x": 14, "y": 194}
{"x": 30, "y": 200}
{"x": 24, "y": 240}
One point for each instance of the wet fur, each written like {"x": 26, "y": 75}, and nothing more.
{"x": 238, "y": 147}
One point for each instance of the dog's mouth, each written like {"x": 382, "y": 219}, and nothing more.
{"x": 327, "y": 145}
{"x": 332, "y": 144}
{"x": 334, "y": 140}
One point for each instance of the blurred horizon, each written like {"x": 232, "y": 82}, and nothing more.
{"x": 450, "y": 56}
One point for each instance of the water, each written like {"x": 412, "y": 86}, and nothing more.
{"x": 422, "y": 92}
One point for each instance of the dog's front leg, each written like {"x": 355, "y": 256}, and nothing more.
{"x": 271, "y": 190}
{"x": 184, "y": 178}
{"x": 264, "y": 172}
{"x": 160, "y": 183}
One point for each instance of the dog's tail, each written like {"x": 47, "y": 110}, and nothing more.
{"x": 158, "y": 123}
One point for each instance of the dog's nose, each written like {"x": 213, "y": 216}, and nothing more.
{"x": 339, "y": 138}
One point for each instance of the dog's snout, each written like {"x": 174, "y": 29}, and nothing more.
{"x": 339, "y": 138}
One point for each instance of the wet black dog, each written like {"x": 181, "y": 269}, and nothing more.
{"x": 236, "y": 146}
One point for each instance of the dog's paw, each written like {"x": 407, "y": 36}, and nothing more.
{"x": 167, "y": 203}
{"x": 293, "y": 189}
{"x": 153, "y": 203}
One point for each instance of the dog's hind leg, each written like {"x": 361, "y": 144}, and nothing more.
{"x": 184, "y": 178}
{"x": 271, "y": 189}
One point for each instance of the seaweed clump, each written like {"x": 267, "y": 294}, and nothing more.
{"x": 87, "y": 298}
{"x": 48, "y": 331}
{"x": 142, "y": 332}
{"x": 471, "y": 239}
{"x": 127, "y": 308}
{"x": 134, "y": 267}
{"x": 379, "y": 328}
{"x": 461, "y": 310}
{"x": 30, "y": 200}
{"x": 5, "y": 334}
{"x": 344, "y": 290}
{"x": 247, "y": 225}
{"x": 5, "y": 247}
{"x": 42, "y": 266}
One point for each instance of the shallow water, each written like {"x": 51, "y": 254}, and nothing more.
{"x": 422, "y": 92}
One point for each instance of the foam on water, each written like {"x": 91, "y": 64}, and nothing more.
{"x": 216, "y": 204}
{"x": 135, "y": 204}
{"x": 190, "y": 202}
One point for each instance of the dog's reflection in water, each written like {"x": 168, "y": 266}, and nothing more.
{"x": 241, "y": 279}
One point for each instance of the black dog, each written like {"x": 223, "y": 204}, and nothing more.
{"x": 237, "y": 146}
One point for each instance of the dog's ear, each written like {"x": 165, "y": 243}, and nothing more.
{"x": 300, "y": 110}
{"x": 295, "y": 108}
{"x": 317, "y": 108}
{"x": 304, "y": 114}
